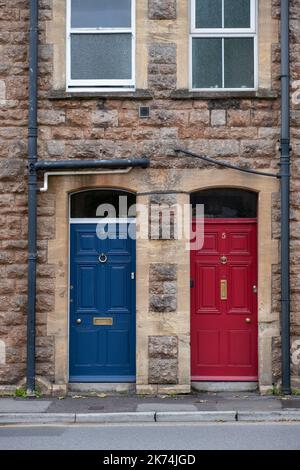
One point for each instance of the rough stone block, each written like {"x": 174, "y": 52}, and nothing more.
{"x": 199, "y": 117}
{"x": 169, "y": 287}
{"x": 162, "y": 68}
{"x": 218, "y": 117}
{"x": 163, "y": 288}
{"x": 163, "y": 303}
{"x": 162, "y": 223}
{"x": 238, "y": 118}
{"x": 163, "y": 272}
{"x": 156, "y": 288}
{"x": 163, "y": 347}
{"x": 10, "y": 169}
{"x": 50, "y": 117}
{"x": 55, "y": 148}
{"x": 2, "y": 90}
{"x": 105, "y": 119}
{"x": 160, "y": 53}
{"x": 163, "y": 371}
{"x": 162, "y": 9}
{"x": 164, "y": 199}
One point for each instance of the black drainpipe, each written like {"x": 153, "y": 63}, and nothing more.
{"x": 33, "y": 167}
{"x": 32, "y": 194}
{"x": 116, "y": 163}
{"x": 285, "y": 198}
{"x": 284, "y": 176}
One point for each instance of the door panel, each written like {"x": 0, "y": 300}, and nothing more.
{"x": 223, "y": 302}
{"x": 118, "y": 299}
{"x": 85, "y": 244}
{"x": 239, "y": 288}
{"x": 87, "y": 281}
{"x": 207, "y": 299}
{"x": 205, "y": 354}
{"x": 86, "y": 348}
{"x": 211, "y": 243}
{"x": 239, "y": 347}
{"x": 120, "y": 357}
{"x": 238, "y": 243}
{"x": 102, "y": 306}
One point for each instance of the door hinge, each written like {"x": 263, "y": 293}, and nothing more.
{"x": 132, "y": 276}
{"x": 192, "y": 283}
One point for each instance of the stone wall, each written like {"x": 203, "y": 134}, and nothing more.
{"x": 295, "y": 186}
{"x": 163, "y": 359}
{"x": 240, "y": 130}
{"x": 13, "y": 200}
{"x": 163, "y": 287}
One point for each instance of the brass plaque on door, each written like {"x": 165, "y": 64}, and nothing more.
{"x": 102, "y": 321}
{"x": 223, "y": 289}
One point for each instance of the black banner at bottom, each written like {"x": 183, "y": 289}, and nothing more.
{"x": 148, "y": 459}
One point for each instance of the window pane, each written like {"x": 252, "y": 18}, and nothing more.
{"x": 239, "y": 62}
{"x": 207, "y": 63}
{"x": 101, "y": 13}
{"x": 208, "y": 14}
{"x": 226, "y": 203}
{"x": 84, "y": 205}
{"x": 237, "y": 14}
{"x": 100, "y": 56}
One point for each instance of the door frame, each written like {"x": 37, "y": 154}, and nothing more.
{"x": 141, "y": 184}
{"x": 83, "y": 221}
{"x": 229, "y": 379}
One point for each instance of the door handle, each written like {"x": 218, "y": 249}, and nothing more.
{"x": 223, "y": 289}
{"x": 248, "y": 320}
{"x": 78, "y": 321}
{"x": 103, "y": 258}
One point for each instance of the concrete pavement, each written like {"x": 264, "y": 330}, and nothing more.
{"x": 121, "y": 408}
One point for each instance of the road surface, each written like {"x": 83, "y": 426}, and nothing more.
{"x": 153, "y": 436}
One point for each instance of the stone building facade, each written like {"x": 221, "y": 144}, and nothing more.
{"x": 239, "y": 127}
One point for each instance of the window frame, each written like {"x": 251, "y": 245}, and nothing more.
{"x": 224, "y": 33}
{"x": 100, "y": 85}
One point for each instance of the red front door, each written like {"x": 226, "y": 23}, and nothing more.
{"x": 224, "y": 302}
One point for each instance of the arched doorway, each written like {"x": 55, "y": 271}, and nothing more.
{"x": 102, "y": 287}
{"x": 224, "y": 324}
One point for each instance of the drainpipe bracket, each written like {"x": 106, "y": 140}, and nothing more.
{"x": 31, "y": 168}
{"x": 32, "y": 132}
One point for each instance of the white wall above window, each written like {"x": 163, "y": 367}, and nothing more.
{"x": 100, "y": 45}
{"x": 223, "y": 45}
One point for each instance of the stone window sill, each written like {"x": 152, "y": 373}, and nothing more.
{"x": 66, "y": 95}
{"x": 207, "y": 95}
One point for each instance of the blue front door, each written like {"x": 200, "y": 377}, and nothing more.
{"x": 102, "y": 305}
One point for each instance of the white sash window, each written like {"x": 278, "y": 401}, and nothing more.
{"x": 223, "y": 45}
{"x": 100, "y": 45}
